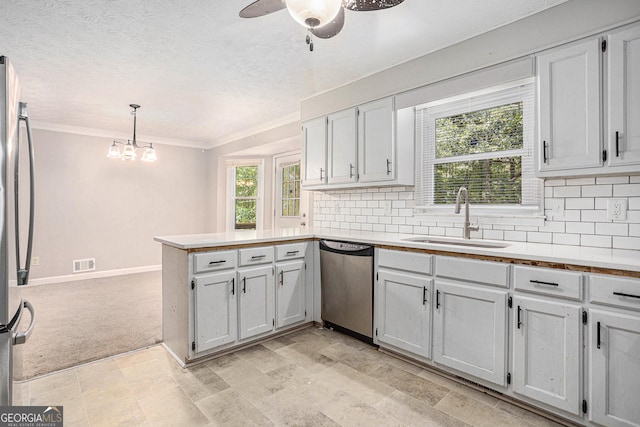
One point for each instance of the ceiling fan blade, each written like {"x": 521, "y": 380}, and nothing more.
{"x": 261, "y": 8}
{"x": 332, "y": 28}
{"x": 366, "y": 5}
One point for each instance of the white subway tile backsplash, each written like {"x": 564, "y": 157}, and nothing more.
{"x": 576, "y": 214}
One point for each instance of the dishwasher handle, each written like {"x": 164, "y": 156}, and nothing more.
{"x": 346, "y": 248}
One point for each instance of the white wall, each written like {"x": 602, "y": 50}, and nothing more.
{"x": 89, "y": 206}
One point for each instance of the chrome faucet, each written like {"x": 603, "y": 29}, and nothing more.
{"x": 468, "y": 228}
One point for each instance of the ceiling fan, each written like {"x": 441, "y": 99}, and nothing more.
{"x": 322, "y": 18}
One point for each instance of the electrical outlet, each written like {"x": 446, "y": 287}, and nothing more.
{"x": 617, "y": 209}
{"x": 35, "y": 261}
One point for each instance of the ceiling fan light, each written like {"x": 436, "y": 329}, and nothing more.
{"x": 313, "y": 13}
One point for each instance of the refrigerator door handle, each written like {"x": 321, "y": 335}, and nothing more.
{"x": 23, "y": 273}
{"x": 21, "y": 337}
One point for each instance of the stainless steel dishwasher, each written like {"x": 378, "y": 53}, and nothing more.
{"x": 346, "y": 271}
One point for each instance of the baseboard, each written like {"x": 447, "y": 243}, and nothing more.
{"x": 93, "y": 275}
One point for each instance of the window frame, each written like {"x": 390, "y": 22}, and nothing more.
{"x": 281, "y": 199}
{"x": 231, "y": 193}
{"x": 494, "y": 96}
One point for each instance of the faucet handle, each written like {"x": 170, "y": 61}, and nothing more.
{"x": 474, "y": 227}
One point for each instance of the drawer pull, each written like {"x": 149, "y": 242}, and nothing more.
{"x": 598, "y": 336}
{"x": 222, "y": 261}
{"x": 424, "y": 295}
{"x": 257, "y": 257}
{"x": 539, "y": 282}
{"x": 519, "y": 320}
{"x": 290, "y": 253}
{"x": 620, "y": 294}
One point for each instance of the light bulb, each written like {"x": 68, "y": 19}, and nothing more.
{"x": 313, "y": 13}
{"x": 149, "y": 155}
{"x": 114, "y": 152}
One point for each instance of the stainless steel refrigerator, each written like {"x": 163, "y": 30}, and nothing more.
{"x": 16, "y": 225}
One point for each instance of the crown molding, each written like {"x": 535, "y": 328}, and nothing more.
{"x": 281, "y": 121}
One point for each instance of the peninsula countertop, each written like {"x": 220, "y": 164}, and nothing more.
{"x": 600, "y": 258}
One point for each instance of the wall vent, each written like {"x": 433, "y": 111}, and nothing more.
{"x": 82, "y": 265}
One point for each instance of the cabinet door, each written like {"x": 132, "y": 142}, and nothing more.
{"x": 569, "y": 102}
{"x": 470, "y": 331}
{"x": 291, "y": 295}
{"x": 547, "y": 352}
{"x": 376, "y": 141}
{"x": 341, "y": 146}
{"x": 215, "y": 310}
{"x": 614, "y": 348}
{"x": 624, "y": 96}
{"x": 314, "y": 156}
{"x": 404, "y": 311}
{"x": 255, "y": 288}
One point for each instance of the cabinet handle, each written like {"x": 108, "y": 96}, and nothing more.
{"x": 424, "y": 295}
{"x": 321, "y": 172}
{"x": 617, "y": 144}
{"x": 388, "y": 167}
{"x": 281, "y": 278}
{"x": 257, "y": 257}
{"x": 289, "y": 253}
{"x": 539, "y": 282}
{"x": 233, "y": 286}
{"x": 598, "y": 335}
{"x": 351, "y": 168}
{"x": 437, "y": 299}
{"x": 244, "y": 285}
{"x": 519, "y": 321}
{"x": 217, "y": 262}
{"x": 545, "y": 158}
{"x": 620, "y": 294}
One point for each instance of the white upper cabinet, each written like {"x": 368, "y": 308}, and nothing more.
{"x": 315, "y": 152}
{"x": 569, "y": 107}
{"x": 342, "y": 148}
{"x": 376, "y": 141}
{"x": 623, "y": 135}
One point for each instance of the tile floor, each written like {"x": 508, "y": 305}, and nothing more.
{"x": 314, "y": 377}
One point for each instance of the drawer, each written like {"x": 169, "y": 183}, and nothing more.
{"x": 254, "y": 256}
{"x": 212, "y": 261}
{"x": 407, "y": 261}
{"x": 616, "y": 291}
{"x": 547, "y": 281}
{"x": 486, "y": 272}
{"x": 291, "y": 251}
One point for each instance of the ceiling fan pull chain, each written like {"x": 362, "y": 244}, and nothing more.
{"x": 310, "y": 40}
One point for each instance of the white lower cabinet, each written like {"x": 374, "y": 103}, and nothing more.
{"x": 404, "y": 311}
{"x": 215, "y": 302}
{"x": 547, "y": 349}
{"x": 614, "y": 350}
{"x": 256, "y": 307}
{"x": 470, "y": 330}
{"x": 290, "y": 293}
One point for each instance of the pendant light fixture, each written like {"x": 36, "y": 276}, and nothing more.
{"x": 129, "y": 150}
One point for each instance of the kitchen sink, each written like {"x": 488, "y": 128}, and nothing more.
{"x": 457, "y": 242}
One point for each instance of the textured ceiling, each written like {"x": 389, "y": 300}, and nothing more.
{"x": 203, "y": 75}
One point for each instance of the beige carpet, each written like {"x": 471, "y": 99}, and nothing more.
{"x": 81, "y": 321}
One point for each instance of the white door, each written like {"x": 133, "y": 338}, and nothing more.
{"x": 470, "y": 330}
{"x": 547, "y": 349}
{"x": 256, "y": 293}
{"x": 614, "y": 349}
{"x": 376, "y": 141}
{"x": 290, "y": 291}
{"x": 291, "y": 203}
{"x": 215, "y": 310}
{"x": 569, "y": 101}
{"x": 404, "y": 311}
{"x": 624, "y": 96}
{"x": 314, "y": 155}
{"x": 342, "y": 147}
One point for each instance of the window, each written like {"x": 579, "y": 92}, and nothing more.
{"x": 483, "y": 141}
{"x": 290, "y": 190}
{"x": 244, "y": 201}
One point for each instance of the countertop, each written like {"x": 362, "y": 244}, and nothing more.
{"x": 600, "y": 258}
